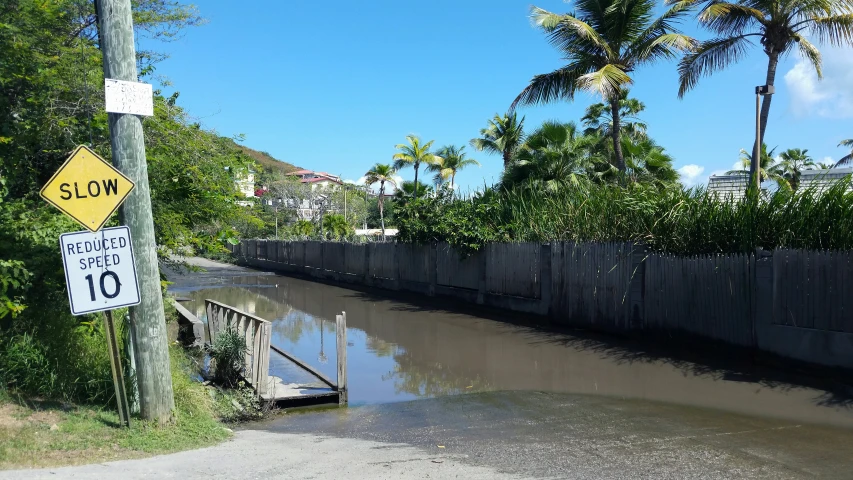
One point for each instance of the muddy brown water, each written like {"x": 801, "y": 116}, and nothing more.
{"x": 402, "y": 351}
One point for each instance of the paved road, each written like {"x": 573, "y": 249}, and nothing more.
{"x": 502, "y": 435}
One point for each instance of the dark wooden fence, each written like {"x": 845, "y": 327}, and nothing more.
{"x": 791, "y": 302}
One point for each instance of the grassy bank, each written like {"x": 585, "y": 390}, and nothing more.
{"x": 37, "y": 433}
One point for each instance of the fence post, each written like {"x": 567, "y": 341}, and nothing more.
{"x": 432, "y": 271}
{"x": 396, "y": 270}
{"x": 367, "y": 278}
{"x": 763, "y": 298}
{"x": 545, "y": 279}
{"x": 304, "y": 257}
{"x": 637, "y": 291}
{"x": 341, "y": 344}
{"x": 482, "y": 265}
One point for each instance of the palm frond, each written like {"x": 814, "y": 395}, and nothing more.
{"x": 548, "y": 87}
{"x": 836, "y": 30}
{"x": 709, "y": 56}
{"x": 607, "y": 81}
{"x": 812, "y": 54}
{"x": 730, "y": 19}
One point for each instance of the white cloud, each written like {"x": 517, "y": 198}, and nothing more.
{"x": 827, "y": 161}
{"x": 360, "y": 181}
{"x": 831, "y": 97}
{"x": 690, "y": 174}
{"x": 739, "y": 165}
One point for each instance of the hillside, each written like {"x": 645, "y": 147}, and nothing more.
{"x": 268, "y": 162}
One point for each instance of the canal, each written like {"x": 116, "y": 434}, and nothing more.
{"x": 514, "y": 384}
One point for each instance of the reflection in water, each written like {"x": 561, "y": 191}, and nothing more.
{"x": 400, "y": 351}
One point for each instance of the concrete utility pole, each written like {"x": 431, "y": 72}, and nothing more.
{"x": 147, "y": 321}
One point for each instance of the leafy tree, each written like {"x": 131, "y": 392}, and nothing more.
{"x": 503, "y": 136}
{"x": 792, "y": 162}
{"x": 846, "y": 160}
{"x": 554, "y": 156}
{"x": 451, "y": 159}
{"x": 604, "y": 41}
{"x": 779, "y": 27}
{"x": 381, "y": 174}
{"x": 414, "y": 153}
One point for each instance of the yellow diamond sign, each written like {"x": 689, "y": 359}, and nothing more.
{"x": 87, "y": 188}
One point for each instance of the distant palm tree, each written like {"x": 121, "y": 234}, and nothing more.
{"x": 503, "y": 136}
{"x": 453, "y": 159}
{"x": 792, "y": 162}
{"x": 767, "y": 167}
{"x": 553, "y": 156}
{"x": 414, "y": 153}
{"x": 780, "y": 25}
{"x": 598, "y": 118}
{"x": 381, "y": 173}
{"x": 846, "y": 160}
{"x": 604, "y": 42}
{"x": 407, "y": 190}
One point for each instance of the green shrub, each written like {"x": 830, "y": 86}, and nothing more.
{"x": 228, "y": 353}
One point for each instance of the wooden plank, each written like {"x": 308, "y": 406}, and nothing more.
{"x": 341, "y": 343}
{"x": 303, "y": 365}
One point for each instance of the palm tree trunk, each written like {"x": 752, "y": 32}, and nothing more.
{"x": 765, "y": 101}
{"x": 615, "y": 133}
{"x": 381, "y": 208}
{"x": 452, "y": 178}
{"x": 415, "y": 193}
{"x": 507, "y": 158}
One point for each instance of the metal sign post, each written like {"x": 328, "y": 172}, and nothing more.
{"x": 115, "y": 366}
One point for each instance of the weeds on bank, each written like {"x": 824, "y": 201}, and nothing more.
{"x": 37, "y": 433}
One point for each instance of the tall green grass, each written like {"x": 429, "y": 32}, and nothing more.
{"x": 671, "y": 220}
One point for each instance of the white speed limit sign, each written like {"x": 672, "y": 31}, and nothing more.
{"x": 100, "y": 270}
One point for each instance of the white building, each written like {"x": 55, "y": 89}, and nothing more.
{"x": 821, "y": 180}
{"x": 728, "y": 187}
{"x": 245, "y": 183}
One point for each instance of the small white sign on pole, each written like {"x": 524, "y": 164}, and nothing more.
{"x": 129, "y": 97}
{"x": 100, "y": 270}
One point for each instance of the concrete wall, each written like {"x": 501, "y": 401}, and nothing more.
{"x": 795, "y": 304}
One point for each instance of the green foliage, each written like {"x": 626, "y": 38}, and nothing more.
{"x": 14, "y": 280}
{"x": 303, "y": 229}
{"x": 335, "y": 227}
{"x": 669, "y": 220}
{"x": 228, "y": 353}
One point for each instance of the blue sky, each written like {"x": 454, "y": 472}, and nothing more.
{"x": 334, "y": 86}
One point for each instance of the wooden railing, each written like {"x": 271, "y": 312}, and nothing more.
{"x": 257, "y": 332}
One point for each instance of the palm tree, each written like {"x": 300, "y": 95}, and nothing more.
{"x": 381, "y": 173}
{"x": 780, "y": 27}
{"x": 553, "y": 156}
{"x": 767, "y": 167}
{"x": 792, "y": 162}
{"x": 452, "y": 159}
{"x": 598, "y": 118}
{"x": 647, "y": 162}
{"x": 604, "y": 42}
{"x": 407, "y": 190}
{"x": 503, "y": 136}
{"x": 846, "y": 160}
{"x": 414, "y": 154}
